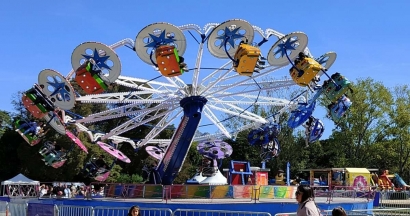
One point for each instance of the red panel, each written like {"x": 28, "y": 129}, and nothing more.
{"x": 33, "y": 109}
{"x": 87, "y": 82}
{"x": 178, "y": 191}
{"x": 167, "y": 62}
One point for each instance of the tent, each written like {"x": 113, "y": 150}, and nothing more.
{"x": 20, "y": 185}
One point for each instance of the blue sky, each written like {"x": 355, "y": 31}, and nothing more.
{"x": 370, "y": 37}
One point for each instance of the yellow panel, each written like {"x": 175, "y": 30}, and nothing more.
{"x": 310, "y": 67}
{"x": 247, "y": 57}
{"x": 220, "y": 191}
{"x": 357, "y": 170}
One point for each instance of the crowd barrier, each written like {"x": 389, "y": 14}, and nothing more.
{"x": 393, "y": 199}
{"x": 367, "y": 212}
{"x": 200, "y": 212}
{"x": 256, "y": 192}
{"x": 35, "y": 209}
{"x": 3, "y": 208}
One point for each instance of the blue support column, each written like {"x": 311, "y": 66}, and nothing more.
{"x": 177, "y": 150}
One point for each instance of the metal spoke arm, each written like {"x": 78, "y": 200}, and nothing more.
{"x": 195, "y": 76}
{"x": 194, "y": 27}
{"x": 121, "y": 97}
{"x": 127, "y": 110}
{"x": 244, "y": 94}
{"x": 240, "y": 113}
{"x": 162, "y": 124}
{"x": 211, "y": 116}
{"x": 135, "y": 82}
{"x": 213, "y": 74}
{"x": 135, "y": 122}
{"x": 138, "y": 87}
{"x": 270, "y": 32}
{"x": 212, "y": 84}
{"x": 266, "y": 72}
{"x": 96, "y": 136}
{"x": 262, "y": 83}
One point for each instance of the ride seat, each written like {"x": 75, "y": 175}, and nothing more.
{"x": 334, "y": 92}
{"x": 309, "y": 69}
{"x": 89, "y": 80}
{"x": 247, "y": 58}
{"x": 168, "y": 61}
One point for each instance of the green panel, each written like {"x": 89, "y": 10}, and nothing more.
{"x": 330, "y": 88}
{"x": 33, "y": 97}
{"x": 100, "y": 81}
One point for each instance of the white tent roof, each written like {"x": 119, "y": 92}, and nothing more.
{"x": 20, "y": 179}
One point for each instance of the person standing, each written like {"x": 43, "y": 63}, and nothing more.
{"x": 306, "y": 199}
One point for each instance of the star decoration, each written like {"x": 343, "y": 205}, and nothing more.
{"x": 160, "y": 40}
{"x": 322, "y": 60}
{"x": 99, "y": 60}
{"x": 229, "y": 37}
{"x": 59, "y": 88}
{"x": 284, "y": 47}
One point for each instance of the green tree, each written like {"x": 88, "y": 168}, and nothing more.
{"x": 399, "y": 126}
{"x": 5, "y": 122}
{"x": 365, "y": 123}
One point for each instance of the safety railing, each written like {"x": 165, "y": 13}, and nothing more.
{"x": 22, "y": 209}
{"x": 382, "y": 212}
{"x": 19, "y": 209}
{"x": 201, "y": 212}
{"x": 3, "y": 208}
{"x": 8, "y": 209}
{"x": 392, "y": 199}
{"x": 123, "y": 211}
{"x": 363, "y": 212}
{"x": 71, "y": 210}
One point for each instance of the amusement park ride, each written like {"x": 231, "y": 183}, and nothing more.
{"x": 230, "y": 89}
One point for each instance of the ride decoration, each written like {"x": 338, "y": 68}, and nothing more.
{"x": 155, "y": 152}
{"x": 212, "y": 151}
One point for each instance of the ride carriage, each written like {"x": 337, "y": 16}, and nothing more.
{"x": 305, "y": 70}
{"x": 338, "y": 110}
{"x": 334, "y": 91}
{"x": 36, "y": 102}
{"x": 92, "y": 170}
{"x": 266, "y": 138}
{"x": 33, "y": 139}
{"x": 89, "y": 78}
{"x": 57, "y": 156}
{"x": 314, "y": 129}
{"x": 270, "y": 150}
{"x": 247, "y": 59}
{"x": 169, "y": 62}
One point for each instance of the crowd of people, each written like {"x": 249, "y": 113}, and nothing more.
{"x": 69, "y": 191}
